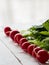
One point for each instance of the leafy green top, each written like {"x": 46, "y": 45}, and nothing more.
{"x": 38, "y": 35}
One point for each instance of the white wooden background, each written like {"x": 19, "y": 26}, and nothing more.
{"x": 23, "y": 12}
{"x": 20, "y": 14}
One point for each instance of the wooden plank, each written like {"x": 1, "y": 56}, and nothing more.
{"x": 6, "y": 57}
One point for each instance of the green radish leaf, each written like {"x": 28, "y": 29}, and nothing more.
{"x": 46, "y": 25}
{"x": 46, "y": 43}
{"x": 37, "y": 28}
{"x": 44, "y": 33}
{"x": 36, "y": 42}
{"x": 26, "y": 33}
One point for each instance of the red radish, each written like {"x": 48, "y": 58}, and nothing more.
{"x": 12, "y": 34}
{"x": 7, "y": 33}
{"x": 22, "y": 40}
{"x": 42, "y": 56}
{"x": 7, "y": 29}
{"x": 48, "y": 53}
{"x": 25, "y": 45}
{"x": 17, "y": 37}
{"x": 35, "y": 50}
{"x": 30, "y": 48}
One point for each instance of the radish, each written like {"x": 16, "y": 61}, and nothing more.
{"x": 22, "y": 40}
{"x": 12, "y": 34}
{"x": 48, "y": 53}
{"x": 7, "y": 33}
{"x": 7, "y": 29}
{"x": 25, "y": 45}
{"x": 30, "y": 48}
{"x": 17, "y": 37}
{"x": 42, "y": 56}
{"x": 35, "y": 50}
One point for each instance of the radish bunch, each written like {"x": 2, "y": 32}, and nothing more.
{"x": 40, "y": 54}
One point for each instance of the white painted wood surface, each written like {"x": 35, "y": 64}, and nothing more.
{"x": 6, "y": 57}
{"x": 12, "y": 54}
